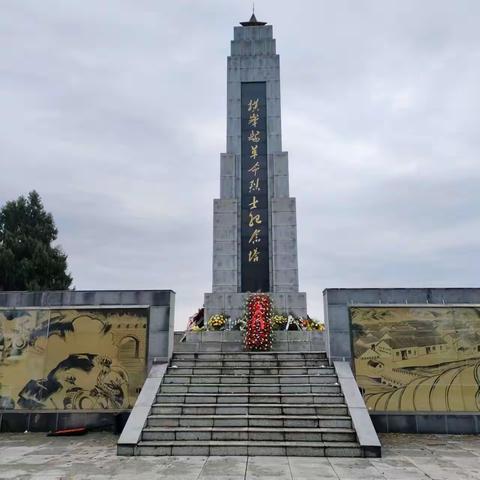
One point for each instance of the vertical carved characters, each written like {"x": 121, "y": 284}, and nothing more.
{"x": 254, "y": 204}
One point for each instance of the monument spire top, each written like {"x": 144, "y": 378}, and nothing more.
{"x": 253, "y": 22}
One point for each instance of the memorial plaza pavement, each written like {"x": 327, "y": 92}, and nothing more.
{"x": 93, "y": 457}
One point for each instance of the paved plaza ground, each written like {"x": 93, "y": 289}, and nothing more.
{"x": 405, "y": 457}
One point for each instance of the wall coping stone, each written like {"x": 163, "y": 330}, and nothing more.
{"x": 362, "y": 423}
{"x": 132, "y": 431}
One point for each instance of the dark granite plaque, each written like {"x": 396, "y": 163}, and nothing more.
{"x": 255, "y": 267}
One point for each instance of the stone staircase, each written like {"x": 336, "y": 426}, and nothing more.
{"x": 242, "y": 403}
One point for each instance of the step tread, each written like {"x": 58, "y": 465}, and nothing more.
{"x": 249, "y": 384}
{"x": 253, "y": 405}
{"x": 276, "y": 360}
{"x": 173, "y": 373}
{"x": 251, "y": 429}
{"x": 263, "y": 443}
{"x": 206, "y": 371}
{"x": 297, "y": 375}
{"x": 271, "y": 352}
{"x": 322, "y": 417}
{"x": 180, "y": 394}
{"x": 241, "y": 364}
{"x": 255, "y": 417}
{"x": 233, "y": 367}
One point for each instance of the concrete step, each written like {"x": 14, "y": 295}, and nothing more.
{"x": 249, "y": 433}
{"x": 173, "y": 378}
{"x": 237, "y": 336}
{"x": 236, "y": 371}
{"x": 249, "y": 388}
{"x": 289, "y": 421}
{"x": 249, "y": 409}
{"x": 230, "y": 398}
{"x": 249, "y": 447}
{"x": 248, "y": 363}
{"x": 287, "y": 356}
{"x": 225, "y": 347}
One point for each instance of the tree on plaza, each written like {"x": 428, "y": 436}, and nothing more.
{"x": 28, "y": 260}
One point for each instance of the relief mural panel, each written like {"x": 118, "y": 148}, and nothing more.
{"x": 72, "y": 359}
{"x": 417, "y": 359}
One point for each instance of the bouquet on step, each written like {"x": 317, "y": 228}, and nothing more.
{"x": 217, "y": 322}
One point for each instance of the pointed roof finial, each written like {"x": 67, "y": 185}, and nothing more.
{"x": 253, "y": 22}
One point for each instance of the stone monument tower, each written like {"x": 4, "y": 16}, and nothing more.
{"x": 255, "y": 226}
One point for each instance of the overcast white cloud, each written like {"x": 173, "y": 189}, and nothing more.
{"x": 115, "y": 112}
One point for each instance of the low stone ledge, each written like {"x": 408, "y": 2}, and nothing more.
{"x": 12, "y": 421}
{"x": 362, "y": 423}
{"x": 451, "y": 423}
{"x": 132, "y": 431}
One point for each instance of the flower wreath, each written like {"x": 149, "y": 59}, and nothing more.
{"x": 258, "y": 334}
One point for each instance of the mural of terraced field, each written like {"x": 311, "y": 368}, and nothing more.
{"x": 418, "y": 359}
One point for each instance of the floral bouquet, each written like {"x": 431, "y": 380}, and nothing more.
{"x": 217, "y": 322}
{"x": 310, "y": 324}
{"x": 197, "y": 329}
{"x": 279, "y": 322}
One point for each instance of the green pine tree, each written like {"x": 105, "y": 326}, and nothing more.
{"x": 28, "y": 260}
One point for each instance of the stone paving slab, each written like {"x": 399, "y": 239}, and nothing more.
{"x": 93, "y": 457}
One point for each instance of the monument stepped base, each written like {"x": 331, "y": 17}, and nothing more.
{"x": 233, "y": 304}
{"x": 210, "y": 400}
{"x": 283, "y": 341}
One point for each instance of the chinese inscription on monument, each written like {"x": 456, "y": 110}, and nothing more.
{"x": 254, "y": 230}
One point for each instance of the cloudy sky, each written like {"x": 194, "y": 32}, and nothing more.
{"x": 115, "y": 112}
